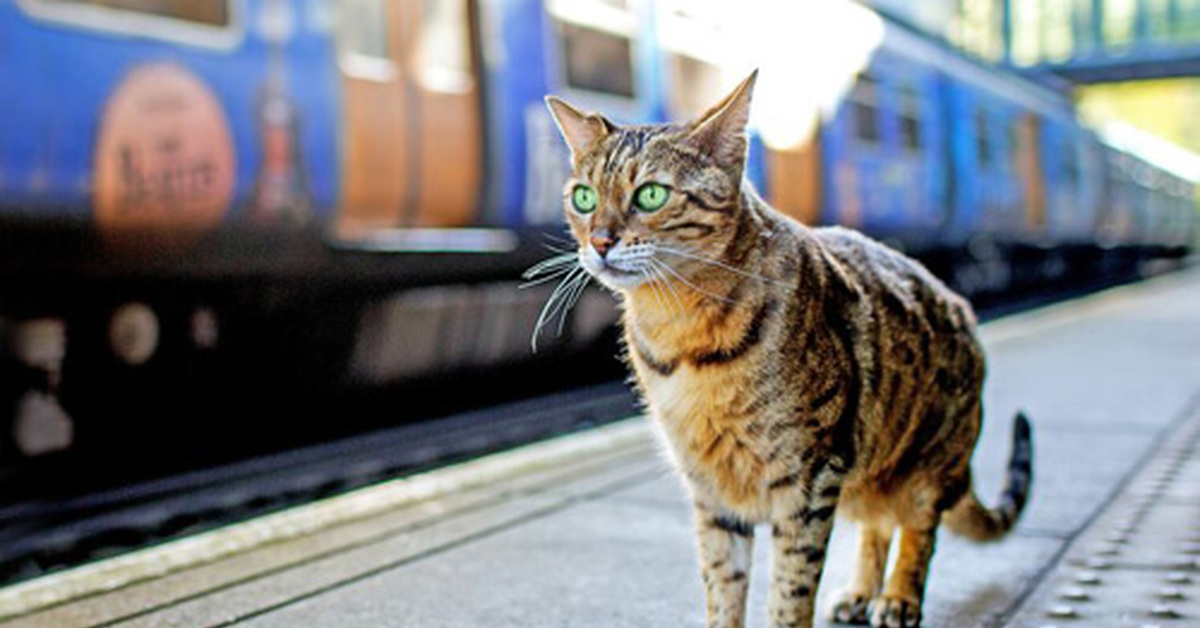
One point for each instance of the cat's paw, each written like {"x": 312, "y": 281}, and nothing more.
{"x": 850, "y": 607}
{"x": 893, "y": 612}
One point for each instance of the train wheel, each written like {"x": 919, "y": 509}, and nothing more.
{"x": 40, "y": 424}
{"x": 133, "y": 333}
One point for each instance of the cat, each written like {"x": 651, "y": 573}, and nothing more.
{"x": 793, "y": 372}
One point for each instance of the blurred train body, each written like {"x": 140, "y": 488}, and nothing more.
{"x": 219, "y": 203}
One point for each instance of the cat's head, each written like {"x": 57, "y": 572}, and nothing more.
{"x": 649, "y": 203}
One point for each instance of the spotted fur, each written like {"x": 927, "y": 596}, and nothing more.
{"x": 794, "y": 373}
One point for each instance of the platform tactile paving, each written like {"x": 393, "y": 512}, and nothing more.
{"x": 1138, "y": 564}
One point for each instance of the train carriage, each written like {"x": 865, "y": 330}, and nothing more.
{"x": 884, "y": 153}
{"x": 299, "y": 203}
{"x": 940, "y": 156}
{"x": 154, "y": 132}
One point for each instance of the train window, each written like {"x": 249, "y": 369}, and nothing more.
{"x": 364, "y": 28}
{"x": 983, "y": 141}
{"x": 865, "y": 107}
{"x": 444, "y": 49}
{"x": 202, "y": 22}
{"x": 595, "y": 43}
{"x": 1071, "y": 171}
{"x": 1015, "y": 149}
{"x": 365, "y": 48}
{"x": 596, "y": 60}
{"x": 1058, "y": 30}
{"x": 910, "y": 119}
{"x": 1119, "y": 19}
{"x": 210, "y": 12}
{"x": 1187, "y": 27}
{"x": 1159, "y": 18}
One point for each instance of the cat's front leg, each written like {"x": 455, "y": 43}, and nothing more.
{"x": 726, "y": 547}
{"x": 800, "y": 532}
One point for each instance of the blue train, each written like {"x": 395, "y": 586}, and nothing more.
{"x": 268, "y": 200}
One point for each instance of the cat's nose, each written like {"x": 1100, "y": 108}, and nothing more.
{"x": 602, "y": 241}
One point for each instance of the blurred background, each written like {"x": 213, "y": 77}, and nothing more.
{"x": 237, "y": 235}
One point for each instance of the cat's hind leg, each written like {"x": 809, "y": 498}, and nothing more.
{"x": 851, "y": 605}
{"x": 899, "y": 606}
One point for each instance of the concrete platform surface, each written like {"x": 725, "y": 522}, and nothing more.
{"x": 603, "y": 537}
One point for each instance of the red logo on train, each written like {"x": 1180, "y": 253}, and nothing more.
{"x": 164, "y": 158}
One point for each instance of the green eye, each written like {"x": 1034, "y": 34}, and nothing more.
{"x": 651, "y": 197}
{"x": 584, "y": 199}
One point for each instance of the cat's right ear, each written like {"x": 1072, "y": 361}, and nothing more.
{"x": 721, "y": 132}
{"x": 580, "y": 130}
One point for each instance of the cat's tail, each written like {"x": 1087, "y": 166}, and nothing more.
{"x": 972, "y": 519}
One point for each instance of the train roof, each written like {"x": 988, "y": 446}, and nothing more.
{"x": 1034, "y": 94}
{"x": 907, "y": 40}
{"x": 1152, "y": 149}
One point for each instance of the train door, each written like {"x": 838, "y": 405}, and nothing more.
{"x": 794, "y": 178}
{"x": 376, "y": 172}
{"x": 1029, "y": 169}
{"x": 1089, "y": 187}
{"x": 411, "y": 120}
{"x": 444, "y": 80}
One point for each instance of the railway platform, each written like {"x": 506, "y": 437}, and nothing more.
{"x": 592, "y": 530}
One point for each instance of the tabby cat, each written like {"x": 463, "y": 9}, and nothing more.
{"x": 793, "y": 372}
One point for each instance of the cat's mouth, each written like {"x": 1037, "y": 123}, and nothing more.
{"x": 615, "y": 277}
{"x": 622, "y": 269}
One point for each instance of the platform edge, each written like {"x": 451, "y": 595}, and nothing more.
{"x": 142, "y": 565}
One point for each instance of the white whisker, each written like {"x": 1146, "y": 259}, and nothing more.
{"x": 559, "y": 247}
{"x": 565, "y": 259}
{"x": 647, "y": 272}
{"x": 573, "y": 297}
{"x": 667, "y": 267}
{"x": 552, "y": 269}
{"x": 564, "y": 290}
{"x": 554, "y": 302}
{"x": 548, "y": 278}
{"x": 656, "y": 276}
{"x": 549, "y": 268}
{"x": 667, "y": 284}
{"x": 718, "y": 264}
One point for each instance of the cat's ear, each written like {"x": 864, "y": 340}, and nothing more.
{"x": 580, "y": 130}
{"x": 721, "y": 131}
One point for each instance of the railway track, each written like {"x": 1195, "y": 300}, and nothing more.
{"x": 55, "y": 532}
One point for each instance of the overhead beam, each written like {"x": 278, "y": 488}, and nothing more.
{"x": 1141, "y": 65}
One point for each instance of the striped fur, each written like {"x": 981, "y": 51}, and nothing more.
{"x": 975, "y": 521}
{"x": 794, "y": 373}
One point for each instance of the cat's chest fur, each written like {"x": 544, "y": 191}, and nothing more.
{"x": 703, "y": 413}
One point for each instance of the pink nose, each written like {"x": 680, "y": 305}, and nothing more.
{"x": 602, "y": 242}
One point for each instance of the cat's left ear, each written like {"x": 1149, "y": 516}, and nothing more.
{"x": 721, "y": 131}
{"x": 580, "y": 130}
